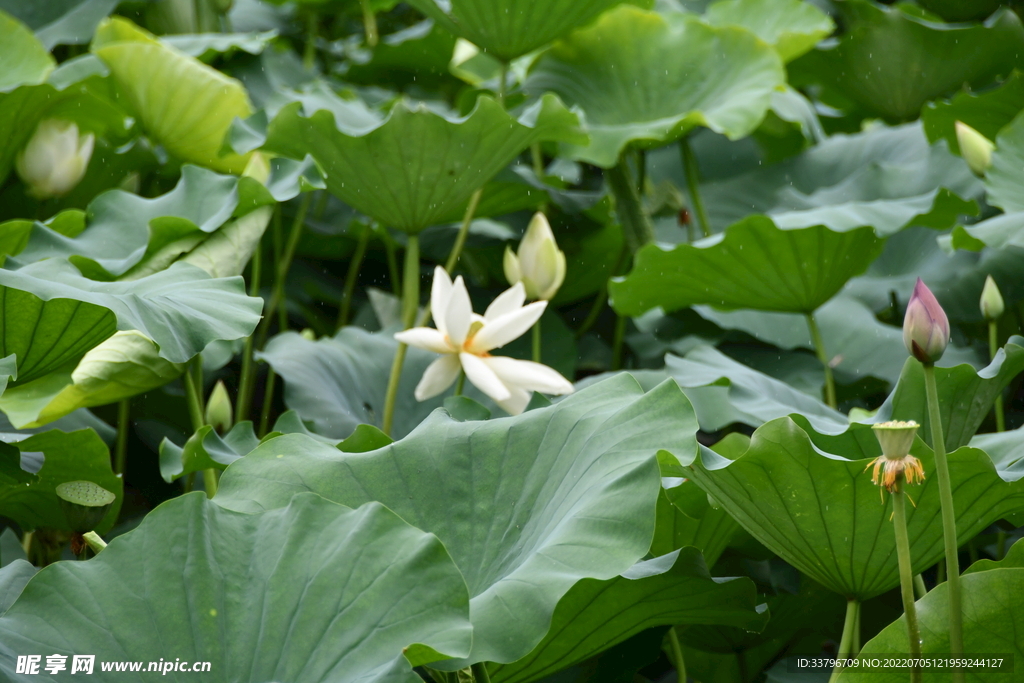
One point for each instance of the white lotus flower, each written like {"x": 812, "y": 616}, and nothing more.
{"x": 55, "y": 159}
{"x": 465, "y": 339}
{"x": 539, "y": 264}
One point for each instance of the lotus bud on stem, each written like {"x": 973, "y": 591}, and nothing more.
{"x": 55, "y": 158}
{"x": 901, "y": 468}
{"x": 926, "y": 335}
{"x": 992, "y": 306}
{"x": 975, "y": 148}
{"x": 218, "y": 408}
{"x": 540, "y": 265}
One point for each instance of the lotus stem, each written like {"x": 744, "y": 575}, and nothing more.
{"x": 846, "y": 642}
{"x": 920, "y": 590}
{"x": 248, "y": 373}
{"x": 956, "y": 637}
{"x": 193, "y": 397}
{"x": 389, "y": 252}
{"x": 410, "y": 302}
{"x": 456, "y": 252}
{"x": 819, "y": 349}
{"x": 899, "y": 521}
{"x": 693, "y": 185}
{"x": 93, "y": 540}
{"x": 676, "y": 655}
{"x": 460, "y": 384}
{"x": 268, "y": 402}
{"x": 284, "y": 264}
{"x": 369, "y": 23}
{"x": 536, "y": 342}
{"x": 993, "y": 349}
{"x": 350, "y": 278}
{"x": 480, "y": 674}
{"x": 636, "y": 225}
{"x": 123, "y": 426}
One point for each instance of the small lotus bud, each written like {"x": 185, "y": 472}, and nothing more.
{"x": 55, "y": 159}
{"x": 975, "y": 148}
{"x": 84, "y": 503}
{"x": 539, "y": 264}
{"x": 308, "y": 334}
{"x": 992, "y": 305}
{"x": 218, "y": 408}
{"x": 925, "y": 327}
{"x": 895, "y": 463}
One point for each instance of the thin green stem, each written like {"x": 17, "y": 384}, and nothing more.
{"x": 940, "y": 572}
{"x": 268, "y": 402}
{"x": 536, "y": 342}
{"x": 538, "y": 160}
{"x": 284, "y": 264}
{"x": 920, "y": 590}
{"x": 369, "y": 23}
{"x": 846, "y": 642}
{"x": 899, "y": 522}
{"x": 410, "y": 302}
{"x": 1000, "y": 544}
{"x": 193, "y": 398}
{"x": 389, "y": 252}
{"x": 693, "y": 185}
{"x": 93, "y": 540}
{"x": 819, "y": 349}
{"x": 636, "y": 225}
{"x": 210, "y": 482}
{"x": 26, "y": 543}
{"x": 993, "y": 349}
{"x": 248, "y": 374}
{"x": 456, "y": 252}
{"x": 123, "y": 427}
{"x": 502, "y": 83}
{"x": 617, "y": 342}
{"x": 855, "y": 644}
{"x": 350, "y": 278}
{"x": 480, "y": 674}
{"x": 676, "y": 655}
{"x": 956, "y": 630}
{"x": 460, "y": 384}
{"x": 309, "y": 54}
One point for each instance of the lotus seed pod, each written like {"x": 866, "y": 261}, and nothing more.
{"x": 975, "y": 148}
{"x": 84, "y": 503}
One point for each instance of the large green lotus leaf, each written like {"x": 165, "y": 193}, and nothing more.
{"x": 510, "y": 28}
{"x": 724, "y": 391}
{"x": 991, "y": 626}
{"x": 966, "y": 395}
{"x": 987, "y": 112}
{"x": 13, "y": 578}
{"x": 77, "y": 25}
{"x": 47, "y": 334}
{"x": 821, "y": 513}
{"x": 1014, "y": 559}
{"x": 312, "y": 592}
{"x": 1000, "y": 231}
{"x": 792, "y": 27}
{"x": 419, "y": 54}
{"x": 415, "y": 167}
{"x": 183, "y": 104}
{"x": 1006, "y": 450}
{"x": 643, "y": 77}
{"x": 205, "y": 45}
{"x": 54, "y": 457}
{"x": 946, "y": 56}
{"x": 124, "y": 365}
{"x": 527, "y": 505}
{"x": 182, "y": 309}
{"x": 673, "y": 589}
{"x": 23, "y": 59}
{"x": 859, "y": 344}
{"x": 1003, "y": 180}
{"x": 686, "y": 518}
{"x": 754, "y": 264}
{"x": 885, "y": 177}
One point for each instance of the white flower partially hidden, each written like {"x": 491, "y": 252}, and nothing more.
{"x": 55, "y": 159}
{"x": 465, "y": 340}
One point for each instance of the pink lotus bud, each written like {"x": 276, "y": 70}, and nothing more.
{"x": 925, "y": 327}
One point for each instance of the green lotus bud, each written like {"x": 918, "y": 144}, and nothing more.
{"x": 975, "y": 148}
{"x": 896, "y": 438}
{"x": 218, "y": 408}
{"x": 84, "y": 503}
{"x": 539, "y": 264}
{"x": 55, "y": 158}
{"x": 925, "y": 327}
{"x": 308, "y": 334}
{"x": 992, "y": 305}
